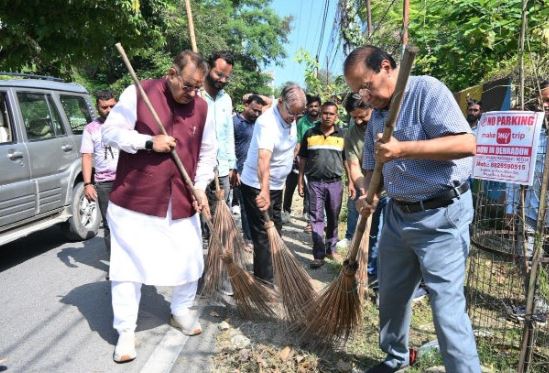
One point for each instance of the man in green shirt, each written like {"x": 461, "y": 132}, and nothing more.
{"x": 307, "y": 121}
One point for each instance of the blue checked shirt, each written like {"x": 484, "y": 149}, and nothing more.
{"x": 428, "y": 111}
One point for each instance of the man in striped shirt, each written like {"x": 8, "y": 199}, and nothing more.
{"x": 321, "y": 159}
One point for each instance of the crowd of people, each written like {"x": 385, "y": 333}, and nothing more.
{"x": 421, "y": 218}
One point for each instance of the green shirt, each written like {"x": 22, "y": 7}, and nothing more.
{"x": 303, "y": 124}
{"x": 354, "y": 142}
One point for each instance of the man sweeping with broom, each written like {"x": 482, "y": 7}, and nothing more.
{"x": 155, "y": 228}
{"x": 267, "y": 165}
{"x": 426, "y": 233}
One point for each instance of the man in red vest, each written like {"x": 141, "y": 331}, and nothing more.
{"x": 155, "y": 228}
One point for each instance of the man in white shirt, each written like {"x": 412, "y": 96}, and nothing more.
{"x": 267, "y": 165}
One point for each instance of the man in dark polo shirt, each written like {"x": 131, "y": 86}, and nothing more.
{"x": 321, "y": 155}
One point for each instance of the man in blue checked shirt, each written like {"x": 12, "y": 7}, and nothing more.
{"x": 426, "y": 234}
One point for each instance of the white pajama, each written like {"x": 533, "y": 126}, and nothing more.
{"x": 126, "y": 296}
{"x": 149, "y": 249}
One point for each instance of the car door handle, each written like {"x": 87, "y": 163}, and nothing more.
{"x": 67, "y": 147}
{"x": 13, "y": 155}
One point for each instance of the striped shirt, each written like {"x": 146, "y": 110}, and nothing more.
{"x": 324, "y": 154}
{"x": 428, "y": 111}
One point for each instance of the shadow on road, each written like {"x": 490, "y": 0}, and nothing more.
{"x": 90, "y": 255}
{"x": 26, "y": 248}
{"x": 93, "y": 300}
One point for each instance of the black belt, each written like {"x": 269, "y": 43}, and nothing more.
{"x": 441, "y": 200}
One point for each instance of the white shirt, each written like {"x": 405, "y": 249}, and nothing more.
{"x": 271, "y": 133}
{"x": 220, "y": 109}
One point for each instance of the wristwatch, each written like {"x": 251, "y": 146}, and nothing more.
{"x": 149, "y": 145}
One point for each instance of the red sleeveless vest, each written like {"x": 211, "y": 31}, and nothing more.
{"x": 145, "y": 181}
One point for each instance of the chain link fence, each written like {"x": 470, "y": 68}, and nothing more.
{"x": 508, "y": 281}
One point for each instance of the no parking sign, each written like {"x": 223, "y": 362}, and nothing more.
{"x": 507, "y": 143}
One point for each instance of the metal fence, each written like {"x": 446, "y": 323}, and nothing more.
{"x": 508, "y": 281}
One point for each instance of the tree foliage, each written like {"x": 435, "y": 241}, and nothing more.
{"x": 320, "y": 82}
{"x": 74, "y": 39}
{"x": 462, "y": 42}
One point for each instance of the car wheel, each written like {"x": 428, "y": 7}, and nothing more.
{"x": 85, "y": 219}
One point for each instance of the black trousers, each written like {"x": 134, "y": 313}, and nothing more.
{"x": 289, "y": 189}
{"x": 103, "y": 190}
{"x": 263, "y": 265}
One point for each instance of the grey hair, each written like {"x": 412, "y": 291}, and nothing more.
{"x": 293, "y": 93}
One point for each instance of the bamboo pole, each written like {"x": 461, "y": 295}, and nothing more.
{"x": 191, "y": 25}
{"x": 405, "y": 22}
{"x": 369, "y": 17}
{"x": 527, "y": 334}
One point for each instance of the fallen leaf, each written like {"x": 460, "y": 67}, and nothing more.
{"x": 286, "y": 353}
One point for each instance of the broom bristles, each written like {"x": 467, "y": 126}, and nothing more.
{"x": 292, "y": 281}
{"x": 253, "y": 298}
{"x": 336, "y": 313}
{"x": 224, "y": 236}
{"x": 214, "y": 266}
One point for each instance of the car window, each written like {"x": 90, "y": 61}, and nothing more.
{"x": 6, "y": 129}
{"x": 56, "y": 118}
{"x": 77, "y": 112}
{"x": 40, "y": 116}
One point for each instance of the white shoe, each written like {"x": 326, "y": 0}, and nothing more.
{"x": 235, "y": 210}
{"x": 285, "y": 217}
{"x": 187, "y": 322}
{"x": 227, "y": 288}
{"x": 124, "y": 351}
{"x": 342, "y": 245}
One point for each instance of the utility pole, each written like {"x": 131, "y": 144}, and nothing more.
{"x": 405, "y": 22}
{"x": 327, "y": 71}
{"x": 368, "y": 17}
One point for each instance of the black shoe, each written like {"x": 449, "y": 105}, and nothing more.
{"x": 317, "y": 263}
{"x": 382, "y": 368}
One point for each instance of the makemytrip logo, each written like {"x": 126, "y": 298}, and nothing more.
{"x": 503, "y": 136}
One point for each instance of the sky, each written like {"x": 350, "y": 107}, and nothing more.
{"x": 305, "y": 34}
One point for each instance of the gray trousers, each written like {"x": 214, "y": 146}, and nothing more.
{"x": 432, "y": 244}
{"x": 103, "y": 191}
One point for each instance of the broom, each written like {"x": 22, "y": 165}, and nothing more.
{"x": 225, "y": 227}
{"x": 336, "y": 313}
{"x": 250, "y": 295}
{"x": 292, "y": 281}
{"x": 214, "y": 266}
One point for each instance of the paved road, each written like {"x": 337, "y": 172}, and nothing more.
{"x": 55, "y": 314}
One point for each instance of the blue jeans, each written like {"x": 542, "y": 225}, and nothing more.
{"x": 432, "y": 244}
{"x": 377, "y": 226}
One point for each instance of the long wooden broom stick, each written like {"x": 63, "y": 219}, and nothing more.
{"x": 250, "y": 295}
{"x": 336, "y": 313}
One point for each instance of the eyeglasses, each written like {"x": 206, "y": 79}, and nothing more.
{"x": 365, "y": 90}
{"x": 186, "y": 87}
{"x": 287, "y": 108}
{"x": 222, "y": 76}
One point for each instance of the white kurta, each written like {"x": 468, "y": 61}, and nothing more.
{"x": 149, "y": 249}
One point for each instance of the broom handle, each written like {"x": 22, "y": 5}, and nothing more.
{"x": 394, "y": 109}
{"x": 191, "y": 25}
{"x": 173, "y": 153}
